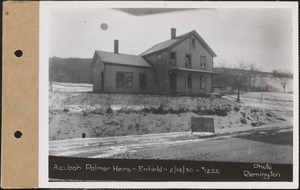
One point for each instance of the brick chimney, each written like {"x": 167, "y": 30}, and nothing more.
{"x": 116, "y": 46}
{"x": 173, "y": 33}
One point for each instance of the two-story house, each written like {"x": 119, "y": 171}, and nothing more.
{"x": 180, "y": 65}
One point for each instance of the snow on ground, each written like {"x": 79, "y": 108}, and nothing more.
{"x": 71, "y": 87}
{"x": 75, "y": 110}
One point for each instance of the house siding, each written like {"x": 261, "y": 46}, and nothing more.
{"x": 160, "y": 71}
{"x": 184, "y": 48}
{"x": 158, "y": 75}
{"x": 196, "y": 88}
{"x": 97, "y": 70}
{"x": 181, "y": 50}
{"x": 111, "y": 79}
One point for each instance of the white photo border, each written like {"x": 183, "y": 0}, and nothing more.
{"x": 44, "y": 100}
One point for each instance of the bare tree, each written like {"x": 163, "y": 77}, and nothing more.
{"x": 282, "y": 77}
{"x": 239, "y": 74}
{"x": 262, "y": 83}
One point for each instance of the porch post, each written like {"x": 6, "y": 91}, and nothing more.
{"x": 212, "y": 83}
{"x": 186, "y": 83}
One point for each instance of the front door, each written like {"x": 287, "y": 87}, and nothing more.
{"x": 173, "y": 82}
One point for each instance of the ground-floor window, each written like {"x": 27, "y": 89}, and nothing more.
{"x": 143, "y": 80}
{"x": 202, "y": 81}
{"x": 189, "y": 80}
{"x": 124, "y": 80}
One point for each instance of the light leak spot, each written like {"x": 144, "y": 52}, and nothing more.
{"x": 104, "y": 26}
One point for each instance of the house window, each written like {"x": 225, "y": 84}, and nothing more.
{"x": 189, "y": 80}
{"x": 192, "y": 43}
{"x": 202, "y": 81}
{"x": 173, "y": 58}
{"x": 124, "y": 80}
{"x": 128, "y": 80}
{"x": 159, "y": 56}
{"x": 188, "y": 61}
{"x": 143, "y": 80}
{"x": 202, "y": 62}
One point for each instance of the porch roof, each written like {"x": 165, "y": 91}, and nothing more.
{"x": 193, "y": 70}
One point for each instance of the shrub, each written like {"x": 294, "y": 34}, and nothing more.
{"x": 98, "y": 111}
{"x": 236, "y": 108}
{"x": 254, "y": 110}
{"x": 221, "y": 112}
{"x": 269, "y": 114}
{"x": 137, "y": 126}
{"x": 259, "y": 123}
{"x": 66, "y": 110}
{"x": 243, "y": 114}
{"x": 85, "y": 113}
{"x": 146, "y": 110}
{"x": 243, "y": 120}
{"x": 109, "y": 110}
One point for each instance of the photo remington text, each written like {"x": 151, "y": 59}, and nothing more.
{"x": 263, "y": 171}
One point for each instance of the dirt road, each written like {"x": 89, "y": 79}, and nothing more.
{"x": 262, "y": 145}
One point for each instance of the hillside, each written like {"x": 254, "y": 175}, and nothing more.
{"x": 74, "y": 110}
{"x": 70, "y": 70}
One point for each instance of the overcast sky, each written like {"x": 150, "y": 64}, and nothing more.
{"x": 260, "y": 36}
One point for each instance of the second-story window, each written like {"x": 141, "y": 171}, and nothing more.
{"x": 202, "y": 62}
{"x": 173, "y": 58}
{"x": 192, "y": 43}
{"x": 188, "y": 61}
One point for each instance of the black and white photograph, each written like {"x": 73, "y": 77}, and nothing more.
{"x": 186, "y": 93}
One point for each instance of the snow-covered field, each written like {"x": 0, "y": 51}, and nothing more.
{"x": 74, "y": 110}
{"x": 71, "y": 87}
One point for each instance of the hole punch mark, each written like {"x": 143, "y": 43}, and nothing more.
{"x": 6, "y": 13}
{"x": 18, "y": 134}
{"x": 18, "y": 53}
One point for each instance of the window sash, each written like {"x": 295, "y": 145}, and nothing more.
{"x": 172, "y": 58}
{"x": 192, "y": 43}
{"x": 202, "y": 62}
{"x": 188, "y": 61}
{"x": 124, "y": 80}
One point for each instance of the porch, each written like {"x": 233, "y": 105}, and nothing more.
{"x": 190, "y": 81}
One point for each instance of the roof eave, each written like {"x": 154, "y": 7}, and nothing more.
{"x": 195, "y": 70}
{"x": 92, "y": 64}
{"x": 125, "y": 65}
{"x": 155, "y": 52}
{"x": 182, "y": 38}
{"x": 210, "y": 51}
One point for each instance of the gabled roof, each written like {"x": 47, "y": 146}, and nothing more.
{"x": 122, "y": 59}
{"x": 160, "y": 46}
{"x": 169, "y": 44}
